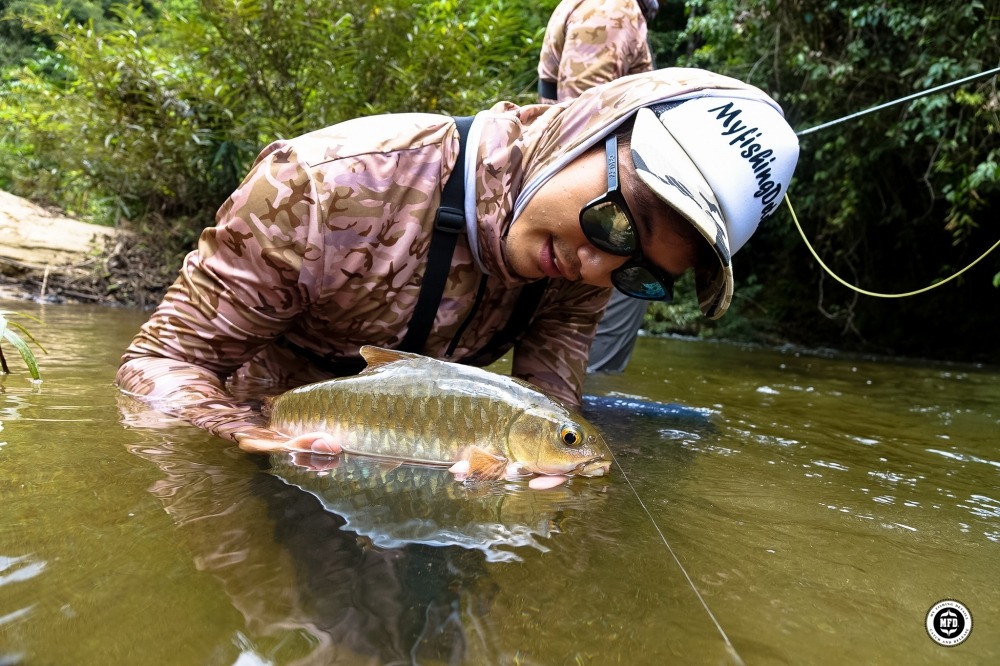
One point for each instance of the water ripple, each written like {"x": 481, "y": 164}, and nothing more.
{"x": 831, "y": 465}
{"x": 895, "y": 478}
{"x": 13, "y": 571}
{"x": 982, "y": 506}
{"x": 963, "y": 457}
{"x": 14, "y": 617}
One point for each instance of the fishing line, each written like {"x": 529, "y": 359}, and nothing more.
{"x": 908, "y": 98}
{"x": 729, "y": 645}
{"x": 836, "y": 277}
{"x": 858, "y": 114}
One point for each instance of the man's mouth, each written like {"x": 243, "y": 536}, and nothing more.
{"x": 547, "y": 261}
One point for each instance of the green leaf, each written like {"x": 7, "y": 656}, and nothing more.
{"x": 25, "y": 351}
{"x": 27, "y": 334}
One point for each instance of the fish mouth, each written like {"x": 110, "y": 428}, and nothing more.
{"x": 595, "y": 467}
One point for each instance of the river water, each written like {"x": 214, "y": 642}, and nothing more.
{"x": 772, "y": 507}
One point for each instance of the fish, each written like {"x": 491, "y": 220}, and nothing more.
{"x": 412, "y": 408}
{"x": 392, "y": 504}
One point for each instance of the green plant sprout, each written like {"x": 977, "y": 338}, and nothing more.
{"x": 8, "y": 334}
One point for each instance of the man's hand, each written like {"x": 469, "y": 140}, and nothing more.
{"x": 311, "y": 442}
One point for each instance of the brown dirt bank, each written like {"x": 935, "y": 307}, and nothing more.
{"x": 47, "y": 255}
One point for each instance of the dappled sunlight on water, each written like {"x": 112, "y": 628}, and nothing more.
{"x": 774, "y": 507}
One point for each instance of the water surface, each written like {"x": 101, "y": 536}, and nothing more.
{"x": 789, "y": 508}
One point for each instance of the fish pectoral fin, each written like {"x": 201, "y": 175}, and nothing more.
{"x": 515, "y": 471}
{"x": 484, "y": 465}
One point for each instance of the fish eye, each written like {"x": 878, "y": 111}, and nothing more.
{"x": 570, "y": 435}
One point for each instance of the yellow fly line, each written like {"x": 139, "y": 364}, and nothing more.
{"x": 873, "y": 293}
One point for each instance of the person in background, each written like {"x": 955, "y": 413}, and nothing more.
{"x": 326, "y": 244}
{"x": 589, "y": 42}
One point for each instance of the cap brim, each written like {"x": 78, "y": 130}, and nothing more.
{"x": 665, "y": 167}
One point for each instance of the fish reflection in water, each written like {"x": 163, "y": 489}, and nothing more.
{"x": 394, "y": 505}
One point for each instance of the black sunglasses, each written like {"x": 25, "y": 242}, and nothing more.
{"x": 608, "y": 225}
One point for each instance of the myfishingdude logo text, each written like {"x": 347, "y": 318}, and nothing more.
{"x": 949, "y": 623}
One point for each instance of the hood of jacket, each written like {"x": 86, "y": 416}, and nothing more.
{"x": 519, "y": 148}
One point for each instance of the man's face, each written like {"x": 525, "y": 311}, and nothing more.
{"x": 548, "y": 241}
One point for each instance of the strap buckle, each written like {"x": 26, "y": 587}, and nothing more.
{"x": 450, "y": 220}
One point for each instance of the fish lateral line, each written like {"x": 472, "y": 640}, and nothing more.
{"x": 474, "y": 462}
{"x": 412, "y": 460}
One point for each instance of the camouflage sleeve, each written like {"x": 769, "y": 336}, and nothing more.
{"x": 552, "y": 46}
{"x": 234, "y": 294}
{"x": 166, "y": 389}
{"x": 553, "y": 353}
{"x": 603, "y": 41}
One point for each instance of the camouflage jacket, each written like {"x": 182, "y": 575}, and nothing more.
{"x": 589, "y": 42}
{"x": 323, "y": 246}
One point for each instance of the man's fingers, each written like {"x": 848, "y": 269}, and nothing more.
{"x": 316, "y": 442}
{"x": 313, "y": 442}
{"x": 259, "y": 445}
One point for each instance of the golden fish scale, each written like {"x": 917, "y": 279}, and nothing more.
{"x": 395, "y": 415}
{"x": 371, "y": 484}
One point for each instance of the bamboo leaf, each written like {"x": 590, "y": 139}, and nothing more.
{"x": 28, "y": 334}
{"x": 25, "y": 351}
{"x": 7, "y": 313}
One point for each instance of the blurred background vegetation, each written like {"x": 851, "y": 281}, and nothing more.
{"x": 145, "y": 116}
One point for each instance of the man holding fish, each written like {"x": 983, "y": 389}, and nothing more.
{"x": 329, "y": 242}
{"x": 410, "y": 408}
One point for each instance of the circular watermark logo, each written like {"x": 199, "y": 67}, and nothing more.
{"x": 949, "y": 622}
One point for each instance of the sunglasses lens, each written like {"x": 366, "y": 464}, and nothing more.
{"x": 608, "y": 229}
{"x": 638, "y": 282}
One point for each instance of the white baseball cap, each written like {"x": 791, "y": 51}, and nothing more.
{"x": 724, "y": 163}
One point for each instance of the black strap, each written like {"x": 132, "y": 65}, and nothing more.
{"x": 547, "y": 89}
{"x": 480, "y": 295}
{"x": 520, "y": 318}
{"x": 499, "y": 342}
{"x": 448, "y": 224}
{"x": 338, "y": 367}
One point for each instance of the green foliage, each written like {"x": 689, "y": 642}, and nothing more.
{"x": 18, "y": 43}
{"x": 151, "y": 113}
{"x": 8, "y": 334}
{"x": 113, "y": 126}
{"x": 154, "y": 116}
{"x": 893, "y": 200}
{"x": 680, "y": 316}
{"x": 744, "y": 320}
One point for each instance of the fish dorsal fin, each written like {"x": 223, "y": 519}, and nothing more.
{"x": 378, "y": 357}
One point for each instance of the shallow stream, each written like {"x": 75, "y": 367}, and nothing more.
{"x": 780, "y": 507}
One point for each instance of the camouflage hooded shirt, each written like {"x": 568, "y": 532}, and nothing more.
{"x": 588, "y": 42}
{"x": 323, "y": 248}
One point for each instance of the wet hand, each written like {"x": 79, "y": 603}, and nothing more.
{"x": 310, "y": 442}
